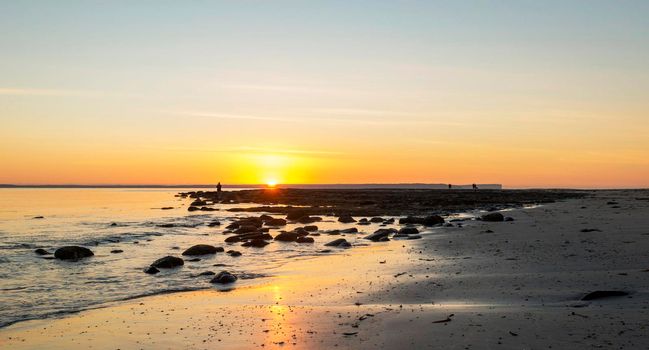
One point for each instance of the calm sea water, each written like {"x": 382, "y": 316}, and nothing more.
{"x": 33, "y": 287}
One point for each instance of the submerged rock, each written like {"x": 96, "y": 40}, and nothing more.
{"x": 255, "y": 242}
{"x": 224, "y": 277}
{"x": 493, "y": 217}
{"x": 168, "y": 262}
{"x": 116, "y": 251}
{"x": 275, "y": 222}
{"x": 346, "y": 219}
{"x": 234, "y": 253}
{"x": 151, "y": 270}
{"x": 304, "y": 239}
{"x": 311, "y": 228}
{"x": 349, "y": 230}
{"x": 72, "y": 253}
{"x": 287, "y": 237}
{"x": 601, "y": 294}
{"x": 41, "y": 251}
{"x": 202, "y": 249}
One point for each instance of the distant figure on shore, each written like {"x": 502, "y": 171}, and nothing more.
{"x": 475, "y": 187}
{"x": 218, "y": 188}
{"x": 450, "y": 186}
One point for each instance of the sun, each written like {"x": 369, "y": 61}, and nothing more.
{"x": 271, "y": 183}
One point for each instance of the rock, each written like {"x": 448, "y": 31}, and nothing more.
{"x": 165, "y": 225}
{"x": 380, "y": 234}
{"x": 194, "y": 259}
{"x": 208, "y": 209}
{"x": 494, "y": 217}
{"x": 151, "y": 270}
{"x": 206, "y": 273}
{"x": 166, "y": 208}
{"x": 245, "y": 229}
{"x": 346, "y": 219}
{"x": 41, "y": 251}
{"x": 256, "y": 242}
{"x": 234, "y": 253}
{"x": 193, "y": 209}
{"x": 309, "y": 219}
{"x": 406, "y": 236}
{"x": 224, "y": 277}
{"x": 509, "y": 218}
{"x": 389, "y": 221}
{"x": 276, "y": 222}
{"x": 214, "y": 223}
{"x": 311, "y": 228}
{"x": 376, "y": 219}
{"x": 303, "y": 239}
{"x": 287, "y": 237}
{"x": 72, "y": 253}
{"x": 202, "y": 249}
{"x": 340, "y": 242}
{"x": 430, "y": 220}
{"x": 408, "y": 231}
{"x": 233, "y": 239}
{"x": 168, "y": 262}
{"x": 38, "y": 217}
{"x": 349, "y": 230}
{"x": 600, "y": 294}
{"x": 116, "y": 251}
{"x": 198, "y": 202}
{"x": 363, "y": 221}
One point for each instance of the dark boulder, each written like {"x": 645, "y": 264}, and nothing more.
{"x": 168, "y": 262}
{"x": 234, "y": 253}
{"x": 349, "y": 230}
{"x": 214, "y": 223}
{"x": 275, "y": 222}
{"x": 601, "y": 294}
{"x": 202, "y": 249}
{"x": 346, "y": 219}
{"x": 233, "y": 239}
{"x": 206, "y": 273}
{"x": 311, "y": 228}
{"x": 245, "y": 229}
{"x": 193, "y": 208}
{"x": 493, "y": 217}
{"x": 363, "y": 221}
{"x": 224, "y": 277}
{"x": 116, "y": 251}
{"x": 309, "y": 219}
{"x": 380, "y": 234}
{"x": 287, "y": 237}
{"x": 303, "y": 239}
{"x": 41, "y": 251}
{"x": 72, "y": 253}
{"x": 509, "y": 218}
{"x": 376, "y": 219}
{"x": 151, "y": 270}
{"x": 256, "y": 242}
{"x": 340, "y": 242}
{"x": 408, "y": 231}
{"x": 430, "y": 220}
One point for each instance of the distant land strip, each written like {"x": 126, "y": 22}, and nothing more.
{"x": 305, "y": 186}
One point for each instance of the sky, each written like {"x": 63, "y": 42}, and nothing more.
{"x": 522, "y": 93}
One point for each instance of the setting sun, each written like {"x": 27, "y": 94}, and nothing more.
{"x": 271, "y": 183}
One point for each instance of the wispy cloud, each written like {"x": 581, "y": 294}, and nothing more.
{"x": 309, "y": 119}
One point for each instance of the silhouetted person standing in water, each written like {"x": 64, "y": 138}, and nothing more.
{"x": 450, "y": 186}
{"x": 475, "y": 187}
{"x": 218, "y": 188}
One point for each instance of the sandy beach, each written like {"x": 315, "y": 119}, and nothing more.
{"x": 484, "y": 285}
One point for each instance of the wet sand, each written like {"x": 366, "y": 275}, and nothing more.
{"x": 507, "y": 285}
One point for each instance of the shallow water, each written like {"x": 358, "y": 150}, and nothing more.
{"x": 34, "y": 287}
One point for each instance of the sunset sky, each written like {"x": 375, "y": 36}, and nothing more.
{"x": 523, "y": 93}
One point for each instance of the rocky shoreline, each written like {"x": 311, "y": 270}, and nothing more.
{"x": 374, "y": 202}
